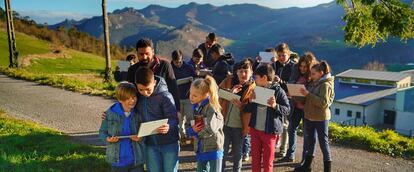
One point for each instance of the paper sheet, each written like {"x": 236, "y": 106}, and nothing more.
{"x": 227, "y": 95}
{"x": 150, "y": 128}
{"x": 125, "y": 137}
{"x": 266, "y": 56}
{"x": 184, "y": 80}
{"x": 262, "y": 95}
{"x": 294, "y": 89}
{"x": 123, "y": 65}
{"x": 204, "y": 72}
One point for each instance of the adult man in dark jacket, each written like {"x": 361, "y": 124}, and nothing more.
{"x": 211, "y": 40}
{"x": 162, "y": 68}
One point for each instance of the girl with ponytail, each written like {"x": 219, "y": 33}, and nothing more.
{"x": 319, "y": 97}
{"x": 205, "y": 125}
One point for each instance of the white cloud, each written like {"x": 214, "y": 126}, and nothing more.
{"x": 52, "y": 17}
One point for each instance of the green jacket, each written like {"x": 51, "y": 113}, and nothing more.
{"x": 211, "y": 136}
{"x": 112, "y": 126}
{"x": 320, "y": 98}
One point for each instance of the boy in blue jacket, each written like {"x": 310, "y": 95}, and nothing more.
{"x": 155, "y": 103}
{"x": 125, "y": 154}
{"x": 266, "y": 122}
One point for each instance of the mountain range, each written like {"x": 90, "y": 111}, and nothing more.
{"x": 244, "y": 30}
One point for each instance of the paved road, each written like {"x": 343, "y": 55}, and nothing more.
{"x": 78, "y": 116}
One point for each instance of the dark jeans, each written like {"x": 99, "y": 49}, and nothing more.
{"x": 321, "y": 128}
{"x": 294, "y": 121}
{"x": 246, "y": 145}
{"x": 234, "y": 137}
{"x": 129, "y": 168}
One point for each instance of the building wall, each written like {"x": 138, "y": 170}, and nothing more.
{"x": 386, "y": 104}
{"x": 373, "y": 115}
{"x": 404, "y": 83}
{"x": 343, "y": 116}
{"x": 404, "y": 123}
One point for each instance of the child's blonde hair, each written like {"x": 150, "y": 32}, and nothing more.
{"x": 208, "y": 85}
{"x": 125, "y": 90}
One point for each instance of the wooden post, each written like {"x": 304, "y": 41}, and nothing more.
{"x": 13, "y": 53}
{"x": 106, "y": 42}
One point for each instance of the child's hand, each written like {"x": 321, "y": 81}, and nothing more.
{"x": 304, "y": 91}
{"x": 236, "y": 89}
{"x": 112, "y": 139}
{"x": 245, "y": 131}
{"x": 277, "y": 78}
{"x": 164, "y": 129}
{"x": 252, "y": 96}
{"x": 103, "y": 115}
{"x": 272, "y": 102}
{"x": 258, "y": 58}
{"x": 135, "y": 138}
{"x": 274, "y": 59}
{"x": 237, "y": 103}
{"x": 197, "y": 128}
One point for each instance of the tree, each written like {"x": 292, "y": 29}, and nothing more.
{"x": 371, "y": 21}
{"x": 375, "y": 65}
{"x": 106, "y": 43}
{"x": 13, "y": 53}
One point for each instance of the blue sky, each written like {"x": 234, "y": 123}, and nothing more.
{"x": 54, "y": 11}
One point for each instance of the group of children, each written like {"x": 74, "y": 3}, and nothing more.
{"x": 217, "y": 125}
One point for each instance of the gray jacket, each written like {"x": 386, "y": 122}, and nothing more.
{"x": 211, "y": 136}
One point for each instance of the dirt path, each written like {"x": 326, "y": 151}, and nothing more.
{"x": 78, "y": 116}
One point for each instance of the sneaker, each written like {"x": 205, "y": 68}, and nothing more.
{"x": 285, "y": 159}
{"x": 246, "y": 157}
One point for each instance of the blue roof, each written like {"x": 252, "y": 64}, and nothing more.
{"x": 344, "y": 92}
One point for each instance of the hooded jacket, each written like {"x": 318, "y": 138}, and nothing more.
{"x": 320, "y": 98}
{"x": 274, "y": 117}
{"x": 161, "y": 68}
{"x": 284, "y": 71}
{"x": 160, "y": 105}
{"x": 120, "y": 153}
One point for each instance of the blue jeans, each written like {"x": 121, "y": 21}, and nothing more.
{"x": 207, "y": 166}
{"x": 321, "y": 128}
{"x": 163, "y": 158}
{"x": 294, "y": 121}
{"x": 246, "y": 145}
{"x": 234, "y": 137}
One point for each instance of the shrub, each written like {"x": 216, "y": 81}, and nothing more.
{"x": 387, "y": 142}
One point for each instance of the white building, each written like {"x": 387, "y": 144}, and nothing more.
{"x": 374, "y": 98}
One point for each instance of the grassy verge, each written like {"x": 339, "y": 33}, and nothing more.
{"x": 386, "y": 142}
{"x": 91, "y": 84}
{"x": 26, "y": 146}
{"x": 69, "y": 69}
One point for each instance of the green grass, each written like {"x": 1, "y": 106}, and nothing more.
{"x": 78, "y": 63}
{"x": 386, "y": 142}
{"x": 87, "y": 85}
{"x": 78, "y": 71}
{"x": 25, "y": 45}
{"x": 26, "y": 146}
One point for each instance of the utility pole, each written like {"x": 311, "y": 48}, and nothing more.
{"x": 106, "y": 42}
{"x": 13, "y": 53}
